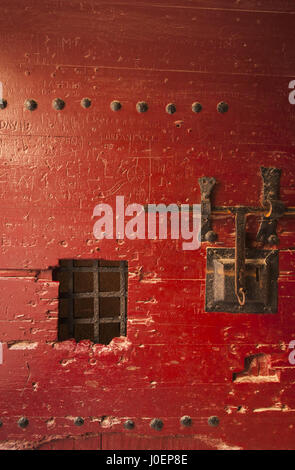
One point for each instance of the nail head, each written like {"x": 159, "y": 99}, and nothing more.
{"x": 58, "y": 104}
{"x": 142, "y": 107}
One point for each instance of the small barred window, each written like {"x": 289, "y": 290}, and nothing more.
{"x": 92, "y": 299}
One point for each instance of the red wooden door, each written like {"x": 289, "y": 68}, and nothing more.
{"x": 57, "y": 164}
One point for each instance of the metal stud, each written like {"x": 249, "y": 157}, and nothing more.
{"x": 3, "y": 104}
{"x": 210, "y": 236}
{"x": 197, "y": 107}
{"x": 129, "y": 424}
{"x": 186, "y": 421}
{"x": 79, "y": 421}
{"x": 58, "y": 104}
{"x": 115, "y": 105}
{"x": 222, "y": 107}
{"x": 85, "y": 103}
{"x": 170, "y": 108}
{"x": 23, "y": 422}
{"x": 273, "y": 239}
{"x": 31, "y": 105}
{"x": 142, "y": 107}
{"x": 157, "y": 424}
{"x": 213, "y": 421}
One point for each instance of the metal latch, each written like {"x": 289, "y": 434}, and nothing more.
{"x": 241, "y": 279}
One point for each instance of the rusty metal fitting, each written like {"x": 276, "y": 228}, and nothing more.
{"x": 273, "y": 239}
{"x": 79, "y": 421}
{"x": 23, "y": 422}
{"x": 210, "y": 236}
{"x": 142, "y": 107}
{"x": 85, "y": 103}
{"x": 115, "y": 105}
{"x": 222, "y": 107}
{"x": 275, "y": 209}
{"x": 58, "y": 104}
{"x": 170, "y": 108}
{"x": 129, "y": 424}
{"x": 3, "y": 104}
{"x": 186, "y": 421}
{"x": 157, "y": 424}
{"x": 213, "y": 421}
{"x": 31, "y": 105}
{"x": 197, "y": 107}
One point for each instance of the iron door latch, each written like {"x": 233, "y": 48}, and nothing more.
{"x": 242, "y": 280}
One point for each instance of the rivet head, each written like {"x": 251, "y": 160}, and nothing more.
{"x": 129, "y": 424}
{"x": 142, "y": 107}
{"x": 3, "y": 104}
{"x": 213, "y": 421}
{"x": 115, "y": 105}
{"x": 186, "y": 421}
{"x": 1, "y": 423}
{"x": 170, "y": 108}
{"x": 210, "y": 236}
{"x": 222, "y": 107}
{"x": 79, "y": 421}
{"x": 23, "y": 422}
{"x": 156, "y": 424}
{"x": 31, "y": 105}
{"x": 273, "y": 239}
{"x": 58, "y": 104}
{"x": 197, "y": 107}
{"x": 85, "y": 103}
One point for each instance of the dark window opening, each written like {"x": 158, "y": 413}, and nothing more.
{"x": 92, "y": 299}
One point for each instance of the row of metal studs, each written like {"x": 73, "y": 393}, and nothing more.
{"x": 141, "y": 106}
{"x": 155, "y": 423}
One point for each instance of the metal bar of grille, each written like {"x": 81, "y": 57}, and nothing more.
{"x": 123, "y": 293}
{"x": 96, "y": 301}
{"x": 109, "y": 320}
{"x": 71, "y": 299}
{"x": 82, "y": 295}
{"x": 118, "y": 317}
{"x": 101, "y": 269}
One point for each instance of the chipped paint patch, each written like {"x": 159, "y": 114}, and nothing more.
{"x": 109, "y": 421}
{"x": 20, "y": 345}
{"x": 218, "y": 444}
{"x": 258, "y": 379}
{"x": 66, "y": 362}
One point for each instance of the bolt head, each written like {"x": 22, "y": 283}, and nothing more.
{"x": 79, "y": 421}
{"x": 31, "y": 105}
{"x": 23, "y": 422}
{"x": 3, "y": 104}
{"x": 222, "y": 107}
{"x": 58, "y": 104}
{"x": 115, "y": 105}
{"x": 142, "y": 107}
{"x": 129, "y": 424}
{"x": 170, "y": 108}
{"x": 197, "y": 107}
{"x": 273, "y": 239}
{"x": 85, "y": 103}
{"x": 186, "y": 421}
{"x": 157, "y": 424}
{"x": 213, "y": 421}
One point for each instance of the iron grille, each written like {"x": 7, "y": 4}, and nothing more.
{"x": 92, "y": 299}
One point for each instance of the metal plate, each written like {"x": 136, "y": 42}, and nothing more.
{"x": 262, "y": 267}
